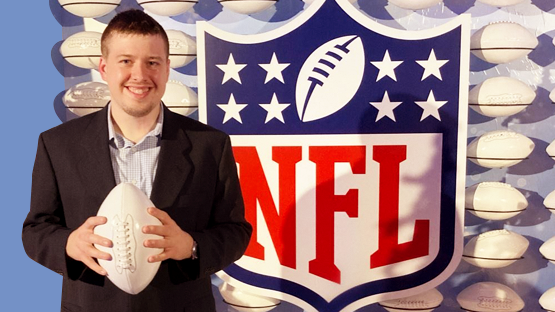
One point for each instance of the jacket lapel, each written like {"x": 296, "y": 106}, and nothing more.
{"x": 95, "y": 163}
{"x": 174, "y": 164}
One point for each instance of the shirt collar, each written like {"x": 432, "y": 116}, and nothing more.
{"x": 120, "y": 140}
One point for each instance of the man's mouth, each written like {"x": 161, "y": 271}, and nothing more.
{"x": 138, "y": 90}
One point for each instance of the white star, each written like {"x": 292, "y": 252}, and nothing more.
{"x": 274, "y": 69}
{"x": 431, "y": 107}
{"x": 386, "y": 67}
{"x": 385, "y": 107}
{"x": 432, "y": 66}
{"x": 231, "y": 70}
{"x": 232, "y": 109}
{"x": 274, "y": 109}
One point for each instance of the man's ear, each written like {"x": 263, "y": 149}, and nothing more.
{"x": 102, "y": 68}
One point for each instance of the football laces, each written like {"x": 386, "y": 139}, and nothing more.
{"x": 124, "y": 244}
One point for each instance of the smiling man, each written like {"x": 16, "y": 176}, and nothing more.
{"x": 186, "y": 168}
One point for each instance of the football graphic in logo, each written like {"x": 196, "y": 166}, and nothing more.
{"x": 329, "y": 78}
{"x": 126, "y": 210}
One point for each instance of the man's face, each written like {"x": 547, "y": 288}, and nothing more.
{"x": 136, "y": 70}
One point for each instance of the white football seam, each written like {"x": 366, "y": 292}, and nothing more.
{"x": 501, "y": 48}
{"x": 496, "y": 259}
{"x": 500, "y": 104}
{"x": 493, "y": 211}
{"x": 161, "y": 2}
{"x": 496, "y": 158}
{"x": 89, "y": 2}
{"x": 407, "y": 309}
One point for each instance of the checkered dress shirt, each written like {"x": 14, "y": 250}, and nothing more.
{"x": 135, "y": 163}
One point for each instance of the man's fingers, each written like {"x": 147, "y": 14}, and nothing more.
{"x": 159, "y": 257}
{"x": 91, "y": 222}
{"x": 176, "y": 243}
{"x": 89, "y": 262}
{"x": 91, "y": 238}
{"x": 156, "y": 230}
{"x": 91, "y": 251}
{"x": 160, "y": 215}
{"x": 156, "y": 243}
{"x": 99, "y": 240}
{"x": 81, "y": 244}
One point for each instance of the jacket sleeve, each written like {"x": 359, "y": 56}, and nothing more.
{"x": 45, "y": 232}
{"x": 228, "y": 235}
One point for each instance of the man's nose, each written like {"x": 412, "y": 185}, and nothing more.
{"x": 138, "y": 71}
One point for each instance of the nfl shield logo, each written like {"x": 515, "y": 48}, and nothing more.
{"x": 350, "y": 142}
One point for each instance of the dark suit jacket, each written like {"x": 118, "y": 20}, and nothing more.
{"x": 196, "y": 183}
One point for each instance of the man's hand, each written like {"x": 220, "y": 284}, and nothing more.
{"x": 177, "y": 244}
{"x": 80, "y": 244}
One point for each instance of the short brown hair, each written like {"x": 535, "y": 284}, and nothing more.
{"x": 133, "y": 22}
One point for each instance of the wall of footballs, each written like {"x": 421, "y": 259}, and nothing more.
{"x": 509, "y": 255}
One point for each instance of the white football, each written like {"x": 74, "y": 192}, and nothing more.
{"x": 552, "y": 96}
{"x": 247, "y": 6}
{"x": 422, "y": 302}
{"x": 547, "y": 249}
{"x": 82, "y": 49}
{"x": 547, "y": 300}
{"x": 549, "y": 201}
{"x": 551, "y": 150}
{"x": 86, "y": 97}
{"x": 489, "y": 296}
{"x": 499, "y": 148}
{"x": 246, "y": 302}
{"x": 502, "y": 42}
{"x": 500, "y": 96}
{"x": 179, "y": 98}
{"x": 415, "y": 4}
{"x": 494, "y": 200}
{"x": 167, "y": 7}
{"x": 329, "y": 78}
{"x": 183, "y": 48}
{"x": 501, "y": 3}
{"x": 495, "y": 249}
{"x": 87, "y": 8}
{"x": 126, "y": 210}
